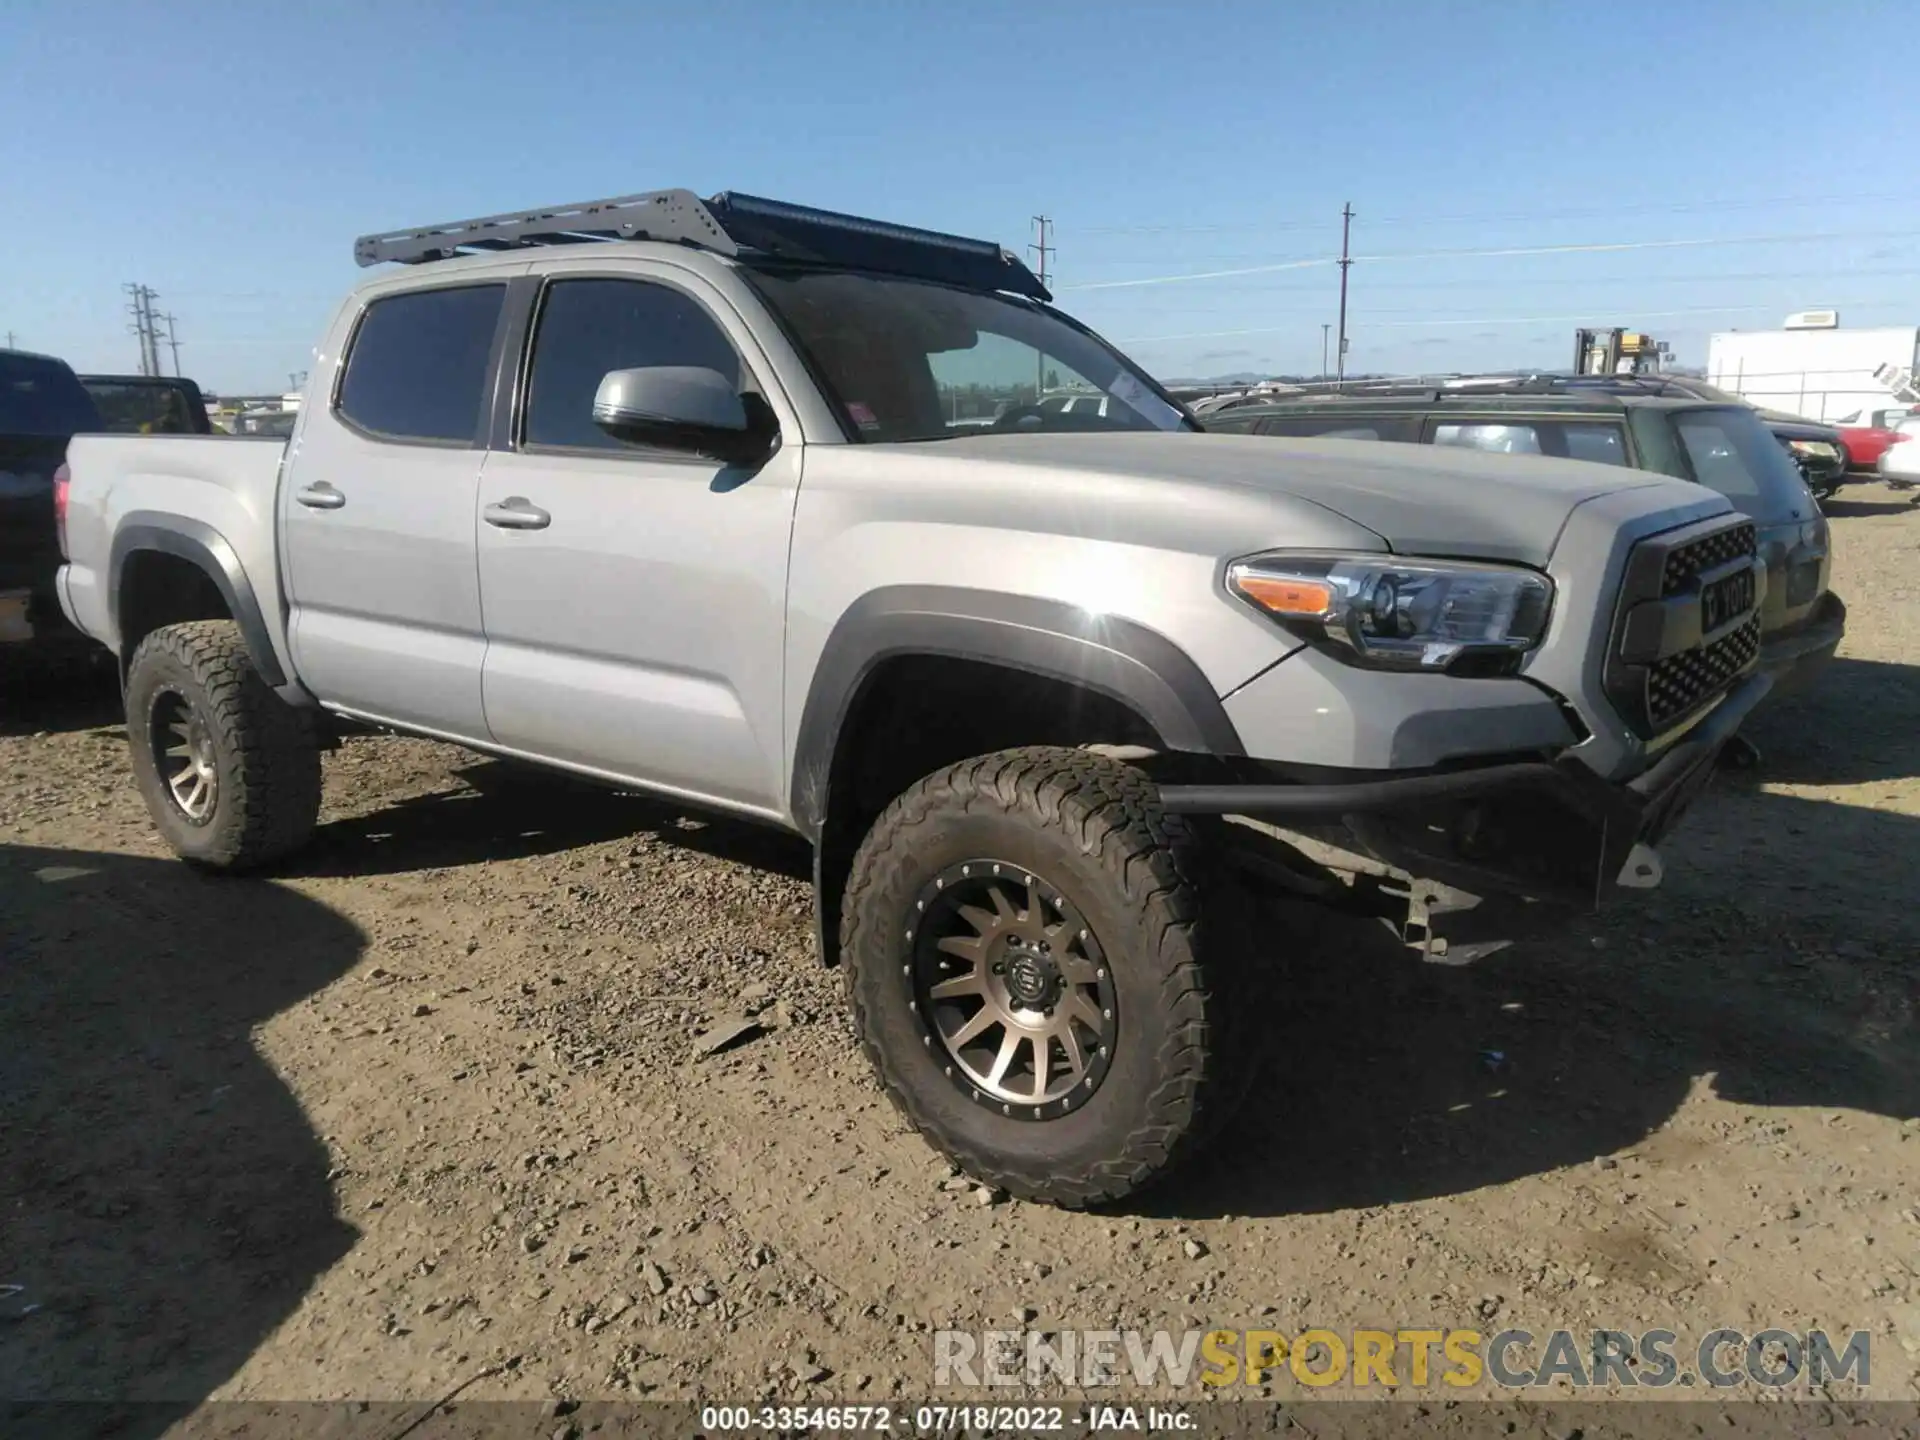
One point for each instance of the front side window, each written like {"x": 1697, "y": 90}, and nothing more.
{"x": 418, "y": 366}
{"x": 591, "y": 326}
{"x": 907, "y": 360}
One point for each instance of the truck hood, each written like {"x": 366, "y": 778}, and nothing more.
{"x": 1419, "y": 499}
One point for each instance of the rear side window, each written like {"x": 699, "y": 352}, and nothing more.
{"x": 418, "y": 367}
{"x": 1598, "y": 440}
{"x": 43, "y": 397}
{"x": 1341, "y": 427}
{"x": 588, "y": 327}
{"x": 1733, "y": 452}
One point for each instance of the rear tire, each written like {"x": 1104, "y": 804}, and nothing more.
{"x": 230, "y": 771}
{"x": 1100, "y": 957}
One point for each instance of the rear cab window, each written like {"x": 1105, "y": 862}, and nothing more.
{"x": 417, "y": 367}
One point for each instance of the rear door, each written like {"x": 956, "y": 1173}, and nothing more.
{"x": 378, "y": 513}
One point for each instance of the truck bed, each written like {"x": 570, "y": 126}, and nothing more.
{"x": 217, "y": 489}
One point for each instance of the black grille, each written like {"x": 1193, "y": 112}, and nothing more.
{"x": 1677, "y": 685}
{"x": 1656, "y": 689}
{"x": 1733, "y": 543}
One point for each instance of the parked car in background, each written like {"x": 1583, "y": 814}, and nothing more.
{"x": 42, "y": 406}
{"x": 1867, "y": 434}
{"x": 149, "y": 404}
{"x": 1899, "y": 463}
{"x": 1616, "y": 421}
{"x": 1817, "y": 449}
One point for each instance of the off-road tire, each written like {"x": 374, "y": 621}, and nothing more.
{"x": 1095, "y": 829}
{"x": 265, "y": 752}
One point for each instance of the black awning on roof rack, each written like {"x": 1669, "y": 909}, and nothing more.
{"x": 821, "y": 237}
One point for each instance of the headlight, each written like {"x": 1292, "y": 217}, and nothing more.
{"x": 1395, "y": 614}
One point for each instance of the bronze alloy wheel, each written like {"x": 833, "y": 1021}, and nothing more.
{"x": 1009, "y": 981}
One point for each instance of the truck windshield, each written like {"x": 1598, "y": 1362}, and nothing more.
{"x": 908, "y": 360}
{"x": 39, "y": 396}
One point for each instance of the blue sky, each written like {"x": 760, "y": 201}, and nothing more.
{"x": 228, "y": 154}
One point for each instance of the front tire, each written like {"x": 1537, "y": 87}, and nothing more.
{"x": 1023, "y": 947}
{"x": 230, "y": 771}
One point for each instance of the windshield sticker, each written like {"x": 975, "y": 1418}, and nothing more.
{"x": 862, "y": 415}
{"x": 1130, "y": 392}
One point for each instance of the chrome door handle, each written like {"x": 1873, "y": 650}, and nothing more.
{"x": 516, "y": 512}
{"x": 320, "y": 496}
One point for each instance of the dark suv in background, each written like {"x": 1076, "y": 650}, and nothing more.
{"x": 1724, "y": 446}
{"x": 42, "y": 406}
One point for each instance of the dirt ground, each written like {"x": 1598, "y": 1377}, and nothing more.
{"x": 432, "y": 1101}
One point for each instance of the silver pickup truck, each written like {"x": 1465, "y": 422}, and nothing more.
{"x": 756, "y": 506}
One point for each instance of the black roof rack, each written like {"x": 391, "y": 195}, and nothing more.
{"x": 729, "y": 224}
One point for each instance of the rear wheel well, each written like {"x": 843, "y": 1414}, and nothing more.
{"x": 158, "y": 589}
{"x": 915, "y": 714}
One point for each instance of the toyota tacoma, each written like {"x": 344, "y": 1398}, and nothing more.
{"x": 694, "y": 497}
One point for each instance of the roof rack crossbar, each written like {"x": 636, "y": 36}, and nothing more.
{"x": 729, "y": 224}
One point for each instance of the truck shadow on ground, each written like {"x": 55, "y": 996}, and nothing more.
{"x": 37, "y": 698}
{"x": 507, "y": 811}
{"x": 167, "y": 1202}
{"x": 1779, "y": 982}
{"x": 1857, "y": 723}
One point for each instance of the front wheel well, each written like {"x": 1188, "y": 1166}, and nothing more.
{"x": 916, "y": 714}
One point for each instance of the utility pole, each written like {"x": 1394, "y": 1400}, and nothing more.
{"x": 10, "y": 339}
{"x": 1042, "y": 229}
{"x": 173, "y": 340}
{"x": 1346, "y": 263}
{"x": 144, "y": 327}
{"x": 1323, "y": 350}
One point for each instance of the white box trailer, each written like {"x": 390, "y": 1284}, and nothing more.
{"x": 1824, "y": 374}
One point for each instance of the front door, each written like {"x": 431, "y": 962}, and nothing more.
{"x": 379, "y": 516}
{"x": 635, "y": 598}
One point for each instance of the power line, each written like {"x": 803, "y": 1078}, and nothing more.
{"x": 1826, "y": 202}
{"x": 1502, "y": 251}
{"x": 1482, "y": 320}
{"x": 173, "y": 341}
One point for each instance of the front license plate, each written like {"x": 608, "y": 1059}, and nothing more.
{"x": 1726, "y": 600}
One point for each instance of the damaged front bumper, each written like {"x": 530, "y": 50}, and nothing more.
{"x": 1449, "y": 844}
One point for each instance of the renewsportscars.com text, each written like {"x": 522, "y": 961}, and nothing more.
{"x": 1511, "y": 1359}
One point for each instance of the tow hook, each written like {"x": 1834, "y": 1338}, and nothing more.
{"x": 1643, "y": 870}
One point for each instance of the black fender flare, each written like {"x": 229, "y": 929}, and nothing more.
{"x": 1126, "y": 661}
{"x": 1138, "y": 667}
{"x": 207, "y": 549}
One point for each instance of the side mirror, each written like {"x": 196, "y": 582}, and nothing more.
{"x": 684, "y": 407}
